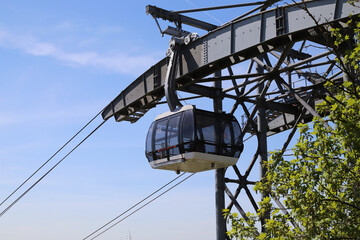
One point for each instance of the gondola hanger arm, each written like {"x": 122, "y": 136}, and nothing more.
{"x": 173, "y": 53}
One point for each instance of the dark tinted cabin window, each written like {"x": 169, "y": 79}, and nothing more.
{"x": 226, "y": 126}
{"x": 209, "y": 133}
{"x": 159, "y": 140}
{"x": 237, "y": 133}
{"x": 206, "y": 128}
{"x": 227, "y": 138}
{"x": 188, "y": 127}
{"x": 210, "y": 148}
{"x": 237, "y": 141}
{"x": 149, "y": 143}
{"x": 206, "y": 133}
{"x": 188, "y": 131}
{"x": 173, "y": 135}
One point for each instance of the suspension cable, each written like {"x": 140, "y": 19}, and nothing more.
{"x": 22, "y": 184}
{"x": 139, "y": 208}
{"x": 133, "y": 206}
{"x": 220, "y": 7}
{"x": 22, "y": 195}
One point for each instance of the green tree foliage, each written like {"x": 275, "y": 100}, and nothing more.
{"x": 320, "y": 186}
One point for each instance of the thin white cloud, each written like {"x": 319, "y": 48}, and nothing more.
{"x": 41, "y": 49}
{"x": 124, "y": 63}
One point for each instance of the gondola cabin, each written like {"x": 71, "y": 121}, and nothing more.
{"x": 193, "y": 140}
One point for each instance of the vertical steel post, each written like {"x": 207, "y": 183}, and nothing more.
{"x": 219, "y": 177}
{"x": 262, "y": 123}
{"x": 220, "y": 203}
{"x": 262, "y": 129}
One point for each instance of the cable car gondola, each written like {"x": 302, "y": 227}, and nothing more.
{"x": 193, "y": 140}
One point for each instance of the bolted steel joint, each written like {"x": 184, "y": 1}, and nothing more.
{"x": 190, "y": 38}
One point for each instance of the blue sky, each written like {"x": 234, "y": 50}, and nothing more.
{"x": 61, "y": 63}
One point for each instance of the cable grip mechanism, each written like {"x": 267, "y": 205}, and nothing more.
{"x": 173, "y": 54}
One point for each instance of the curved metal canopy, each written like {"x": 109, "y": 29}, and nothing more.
{"x": 227, "y": 45}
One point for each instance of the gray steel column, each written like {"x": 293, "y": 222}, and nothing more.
{"x": 220, "y": 203}
{"x": 262, "y": 123}
{"x": 219, "y": 178}
{"x": 262, "y": 128}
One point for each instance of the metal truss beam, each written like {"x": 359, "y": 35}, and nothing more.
{"x": 157, "y": 12}
{"x": 229, "y": 44}
{"x": 221, "y": 7}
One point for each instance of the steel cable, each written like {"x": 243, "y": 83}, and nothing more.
{"x": 22, "y": 184}
{"x": 43, "y": 176}
{"x": 136, "y": 210}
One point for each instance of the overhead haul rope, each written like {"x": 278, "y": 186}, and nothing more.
{"x": 43, "y": 176}
{"x": 139, "y": 208}
{"x": 22, "y": 184}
